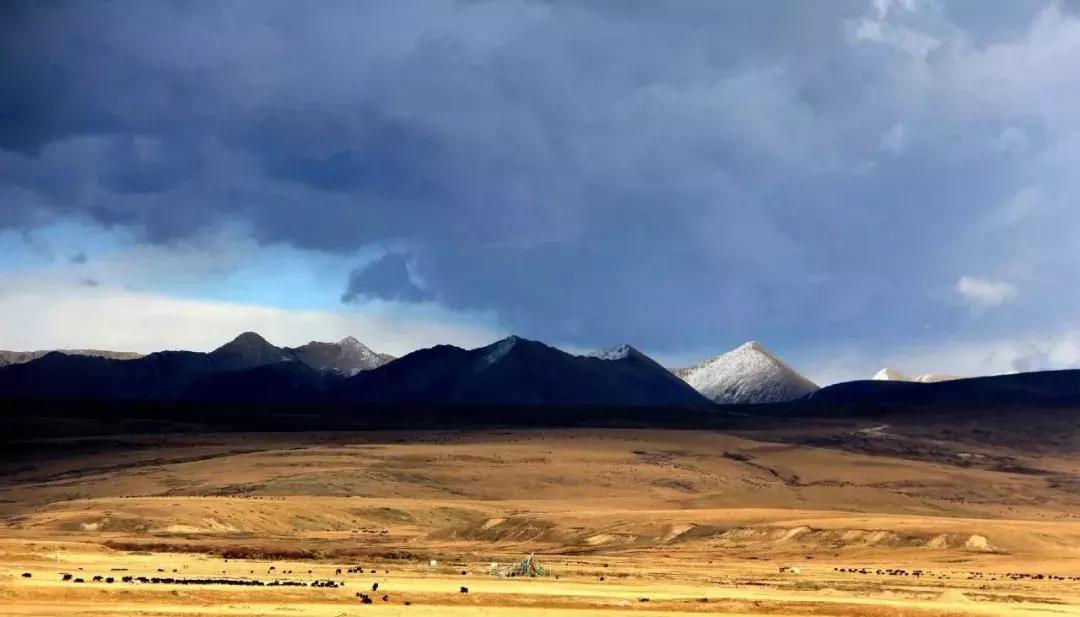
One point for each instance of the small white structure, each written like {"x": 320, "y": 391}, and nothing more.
{"x": 432, "y": 563}
{"x": 790, "y": 570}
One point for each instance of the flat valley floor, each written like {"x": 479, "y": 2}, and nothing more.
{"x": 876, "y": 519}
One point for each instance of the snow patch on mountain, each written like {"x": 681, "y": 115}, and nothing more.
{"x": 889, "y": 374}
{"x": 618, "y": 352}
{"x": 346, "y": 357}
{"x": 749, "y": 373}
{"x": 498, "y": 350}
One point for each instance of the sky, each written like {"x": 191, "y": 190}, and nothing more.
{"x": 854, "y": 183}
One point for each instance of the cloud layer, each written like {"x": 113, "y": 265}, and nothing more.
{"x": 816, "y": 175}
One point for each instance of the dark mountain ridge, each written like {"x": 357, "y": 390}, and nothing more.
{"x": 513, "y": 371}
{"x": 1039, "y": 388}
{"x": 524, "y": 372}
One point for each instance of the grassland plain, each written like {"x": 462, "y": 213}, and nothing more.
{"x": 652, "y": 521}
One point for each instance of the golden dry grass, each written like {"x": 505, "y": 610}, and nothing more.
{"x": 672, "y": 516}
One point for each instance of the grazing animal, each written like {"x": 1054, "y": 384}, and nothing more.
{"x": 26, "y": 575}
{"x": 464, "y": 590}
{"x": 386, "y": 598}
{"x": 66, "y": 577}
{"x": 97, "y": 579}
{"x": 374, "y": 586}
{"x": 338, "y": 572}
{"x": 110, "y": 580}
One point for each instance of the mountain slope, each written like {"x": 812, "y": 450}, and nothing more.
{"x": 346, "y": 357}
{"x": 747, "y": 374}
{"x": 278, "y": 382}
{"x": 519, "y": 371}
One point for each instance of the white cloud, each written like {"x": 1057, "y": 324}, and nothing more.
{"x": 49, "y": 314}
{"x": 882, "y": 7}
{"x": 879, "y": 30}
{"x": 981, "y": 292}
{"x": 894, "y": 139}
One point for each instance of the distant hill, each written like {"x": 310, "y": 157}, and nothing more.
{"x": 20, "y": 357}
{"x": 163, "y": 374}
{"x": 519, "y": 371}
{"x": 1035, "y": 389}
{"x": 749, "y": 373}
{"x": 168, "y": 375}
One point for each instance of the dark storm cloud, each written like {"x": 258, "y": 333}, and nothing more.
{"x": 387, "y": 278}
{"x": 682, "y": 174}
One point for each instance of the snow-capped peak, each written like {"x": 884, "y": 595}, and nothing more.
{"x": 618, "y": 352}
{"x": 346, "y": 357}
{"x": 750, "y": 373}
{"x": 497, "y": 350}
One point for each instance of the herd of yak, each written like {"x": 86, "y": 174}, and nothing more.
{"x": 972, "y": 575}
{"x": 363, "y": 598}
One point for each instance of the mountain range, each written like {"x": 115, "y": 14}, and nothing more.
{"x": 519, "y": 371}
{"x": 513, "y": 371}
{"x": 250, "y": 369}
{"x": 171, "y": 374}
